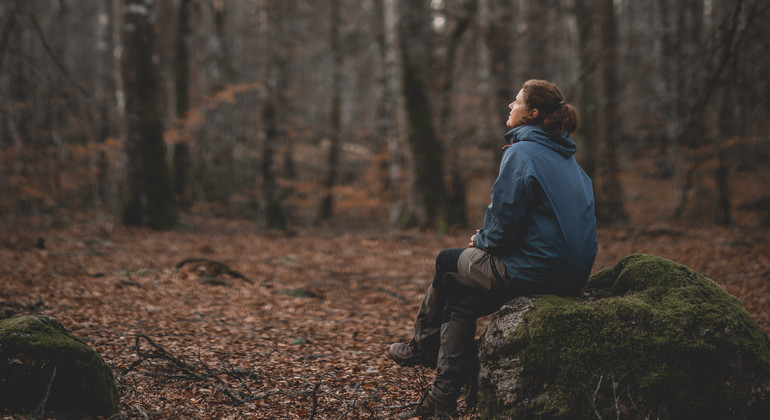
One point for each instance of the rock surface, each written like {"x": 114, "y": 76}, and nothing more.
{"x": 43, "y": 367}
{"x": 649, "y": 338}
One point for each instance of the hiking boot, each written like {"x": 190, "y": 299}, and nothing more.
{"x": 410, "y": 354}
{"x": 434, "y": 405}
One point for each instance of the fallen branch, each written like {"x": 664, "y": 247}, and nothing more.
{"x": 241, "y": 385}
{"x": 191, "y": 372}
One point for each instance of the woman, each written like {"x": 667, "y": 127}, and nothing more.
{"x": 539, "y": 237}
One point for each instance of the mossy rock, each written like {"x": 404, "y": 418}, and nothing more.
{"x": 649, "y": 338}
{"x": 43, "y": 366}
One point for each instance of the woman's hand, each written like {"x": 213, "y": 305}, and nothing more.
{"x": 472, "y": 244}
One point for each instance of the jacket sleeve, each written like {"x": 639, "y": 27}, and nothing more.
{"x": 512, "y": 195}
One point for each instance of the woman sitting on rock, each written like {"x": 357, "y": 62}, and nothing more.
{"x": 539, "y": 237}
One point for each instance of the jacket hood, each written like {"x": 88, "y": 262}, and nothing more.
{"x": 562, "y": 145}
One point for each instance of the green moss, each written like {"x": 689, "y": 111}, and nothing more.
{"x": 37, "y": 351}
{"x": 650, "y": 334}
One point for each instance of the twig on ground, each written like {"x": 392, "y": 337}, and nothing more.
{"x": 40, "y": 411}
{"x": 593, "y": 400}
{"x": 190, "y": 371}
{"x": 241, "y": 385}
{"x": 314, "y": 398}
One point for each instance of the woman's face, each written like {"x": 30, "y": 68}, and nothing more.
{"x": 520, "y": 112}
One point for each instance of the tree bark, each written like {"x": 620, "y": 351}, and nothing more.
{"x": 335, "y": 117}
{"x": 732, "y": 33}
{"x": 272, "y": 37}
{"x": 147, "y": 199}
{"x": 608, "y": 191}
{"x": 586, "y": 134}
{"x": 722, "y": 215}
{"x": 431, "y": 206}
{"x": 181, "y": 60}
{"x": 389, "y": 106}
{"x": 535, "y": 60}
{"x": 456, "y": 194}
{"x": 181, "y": 67}
{"x": 103, "y": 65}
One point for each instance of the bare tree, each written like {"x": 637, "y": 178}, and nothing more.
{"x": 732, "y": 33}
{"x": 250, "y": 99}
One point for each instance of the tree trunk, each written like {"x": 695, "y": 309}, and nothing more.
{"x": 732, "y": 33}
{"x": 456, "y": 194}
{"x": 431, "y": 206}
{"x": 586, "y": 134}
{"x": 147, "y": 199}
{"x": 502, "y": 50}
{"x": 335, "y": 117}
{"x": 722, "y": 215}
{"x": 181, "y": 60}
{"x": 388, "y": 108}
{"x": 104, "y": 60}
{"x": 537, "y": 56}
{"x": 608, "y": 191}
{"x": 181, "y": 152}
{"x": 484, "y": 72}
{"x": 272, "y": 205}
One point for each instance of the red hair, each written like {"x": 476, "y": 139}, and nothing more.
{"x": 555, "y": 116}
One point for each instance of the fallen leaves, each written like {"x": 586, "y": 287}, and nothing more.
{"x": 307, "y": 337}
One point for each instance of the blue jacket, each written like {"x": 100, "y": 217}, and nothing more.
{"x": 541, "y": 220}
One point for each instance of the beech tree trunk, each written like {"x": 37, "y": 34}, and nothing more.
{"x": 456, "y": 194}
{"x": 389, "y": 106}
{"x": 431, "y": 207}
{"x": 608, "y": 191}
{"x": 335, "y": 119}
{"x": 272, "y": 205}
{"x": 147, "y": 199}
{"x": 181, "y": 152}
{"x": 586, "y": 134}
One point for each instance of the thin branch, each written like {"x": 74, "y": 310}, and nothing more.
{"x": 733, "y": 38}
{"x": 161, "y": 353}
{"x": 40, "y": 411}
{"x": 7, "y": 29}
{"x": 593, "y": 400}
{"x": 314, "y": 398}
{"x": 615, "y": 395}
{"x": 53, "y": 56}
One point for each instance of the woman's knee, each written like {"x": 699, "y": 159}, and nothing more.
{"x": 446, "y": 260}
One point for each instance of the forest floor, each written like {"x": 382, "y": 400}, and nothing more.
{"x": 305, "y": 334}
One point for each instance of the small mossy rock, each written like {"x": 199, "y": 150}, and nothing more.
{"x": 649, "y": 338}
{"x": 40, "y": 361}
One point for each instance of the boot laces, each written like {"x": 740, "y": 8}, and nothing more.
{"x": 407, "y": 346}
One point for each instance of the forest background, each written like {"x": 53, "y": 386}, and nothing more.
{"x": 297, "y": 145}
{"x": 375, "y": 113}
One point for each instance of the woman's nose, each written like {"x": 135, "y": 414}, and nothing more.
{"x": 510, "y": 105}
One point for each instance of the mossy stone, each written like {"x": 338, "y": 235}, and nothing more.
{"x": 649, "y": 338}
{"x": 41, "y": 362}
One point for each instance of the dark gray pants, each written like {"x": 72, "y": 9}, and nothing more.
{"x": 446, "y": 324}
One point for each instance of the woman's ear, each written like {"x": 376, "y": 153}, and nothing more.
{"x": 535, "y": 113}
